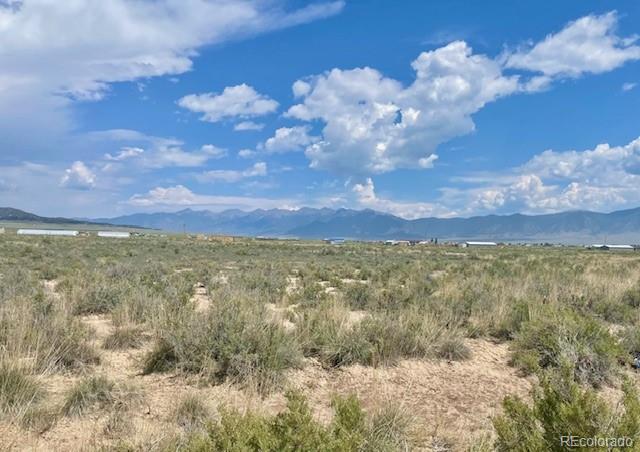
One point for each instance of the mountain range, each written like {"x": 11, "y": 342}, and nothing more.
{"x": 567, "y": 227}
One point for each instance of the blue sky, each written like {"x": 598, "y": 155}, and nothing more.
{"x": 438, "y": 108}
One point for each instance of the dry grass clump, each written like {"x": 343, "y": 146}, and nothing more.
{"x": 191, "y": 413}
{"x": 124, "y": 337}
{"x": 19, "y": 392}
{"x": 97, "y": 392}
{"x": 379, "y": 339}
{"x": 42, "y": 333}
{"x": 234, "y": 341}
{"x": 88, "y": 393}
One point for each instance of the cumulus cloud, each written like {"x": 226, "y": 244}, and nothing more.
{"x": 241, "y": 101}
{"x": 248, "y": 126}
{"x": 289, "y": 139}
{"x": 587, "y": 45}
{"x": 603, "y": 178}
{"x": 366, "y": 197}
{"x": 55, "y": 52}
{"x": 374, "y": 124}
{"x": 257, "y": 170}
{"x": 180, "y": 196}
{"x": 78, "y": 176}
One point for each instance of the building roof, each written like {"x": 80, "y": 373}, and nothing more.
{"x": 114, "y": 234}
{"x": 65, "y": 232}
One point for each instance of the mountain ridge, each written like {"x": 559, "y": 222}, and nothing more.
{"x": 578, "y": 226}
{"x": 369, "y": 224}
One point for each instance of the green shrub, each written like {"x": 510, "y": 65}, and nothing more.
{"x": 295, "y": 429}
{"x": 561, "y": 407}
{"x": 564, "y": 338}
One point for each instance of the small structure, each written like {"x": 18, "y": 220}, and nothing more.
{"x": 334, "y": 240}
{"x": 604, "y": 247}
{"x": 114, "y": 234}
{"x": 1, "y": 230}
{"x": 480, "y": 244}
{"x": 54, "y": 232}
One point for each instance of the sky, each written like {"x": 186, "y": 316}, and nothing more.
{"x": 416, "y": 108}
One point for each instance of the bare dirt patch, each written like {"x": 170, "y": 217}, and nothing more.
{"x": 201, "y": 298}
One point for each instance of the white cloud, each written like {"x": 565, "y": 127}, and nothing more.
{"x": 240, "y": 101}
{"x": 289, "y": 139}
{"x": 373, "y": 124}
{"x": 604, "y": 178}
{"x": 628, "y": 86}
{"x": 213, "y": 152}
{"x": 78, "y": 176}
{"x": 247, "y": 153}
{"x": 588, "y": 45}
{"x": 37, "y": 188}
{"x": 248, "y": 126}
{"x": 181, "y": 196}
{"x": 366, "y": 197}
{"x": 427, "y": 162}
{"x": 125, "y": 153}
{"x": 55, "y": 52}
{"x": 152, "y": 152}
{"x": 257, "y": 170}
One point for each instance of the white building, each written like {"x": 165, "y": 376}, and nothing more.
{"x": 604, "y": 247}
{"x": 480, "y": 244}
{"x": 114, "y": 234}
{"x": 56, "y": 232}
{"x": 1, "y": 230}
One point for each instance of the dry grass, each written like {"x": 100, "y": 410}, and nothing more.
{"x": 422, "y": 331}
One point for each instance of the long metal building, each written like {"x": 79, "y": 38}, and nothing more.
{"x": 57, "y": 232}
{"x": 114, "y": 234}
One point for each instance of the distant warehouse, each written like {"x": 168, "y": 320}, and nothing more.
{"x": 114, "y": 234}
{"x": 465, "y": 244}
{"x": 58, "y": 232}
{"x": 612, "y": 247}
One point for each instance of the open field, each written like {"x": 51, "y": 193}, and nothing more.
{"x": 172, "y": 343}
